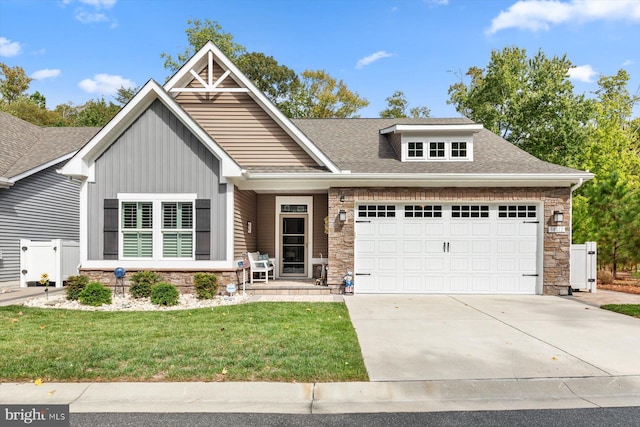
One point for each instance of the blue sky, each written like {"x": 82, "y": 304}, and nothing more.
{"x": 77, "y": 50}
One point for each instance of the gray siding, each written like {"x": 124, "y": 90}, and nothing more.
{"x": 43, "y": 206}
{"x": 157, "y": 154}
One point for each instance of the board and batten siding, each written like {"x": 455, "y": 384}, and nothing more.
{"x": 43, "y": 206}
{"x": 236, "y": 122}
{"x": 245, "y": 212}
{"x": 157, "y": 154}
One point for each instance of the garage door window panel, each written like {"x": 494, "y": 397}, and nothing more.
{"x": 376, "y": 211}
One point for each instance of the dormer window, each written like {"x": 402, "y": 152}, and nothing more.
{"x": 437, "y": 150}
{"x": 416, "y": 150}
{"x": 458, "y": 149}
{"x": 433, "y": 142}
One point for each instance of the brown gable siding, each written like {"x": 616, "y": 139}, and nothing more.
{"x": 236, "y": 122}
{"x": 245, "y": 211}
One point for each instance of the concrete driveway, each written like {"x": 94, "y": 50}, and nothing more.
{"x": 437, "y": 337}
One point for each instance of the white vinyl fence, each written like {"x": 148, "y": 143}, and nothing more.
{"x": 58, "y": 258}
{"x": 584, "y": 259}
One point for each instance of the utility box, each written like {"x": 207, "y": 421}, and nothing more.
{"x": 58, "y": 258}
{"x": 584, "y": 266}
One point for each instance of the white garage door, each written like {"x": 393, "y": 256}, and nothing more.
{"x": 446, "y": 248}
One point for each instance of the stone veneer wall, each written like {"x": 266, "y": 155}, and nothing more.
{"x": 556, "y": 251}
{"x": 183, "y": 280}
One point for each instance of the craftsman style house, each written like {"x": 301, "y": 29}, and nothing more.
{"x": 192, "y": 175}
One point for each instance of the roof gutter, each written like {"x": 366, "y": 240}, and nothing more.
{"x": 5, "y": 183}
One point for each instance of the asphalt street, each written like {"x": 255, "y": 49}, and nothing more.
{"x": 593, "y": 417}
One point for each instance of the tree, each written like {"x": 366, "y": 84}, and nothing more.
{"x": 198, "y": 34}
{"x": 276, "y": 81}
{"x": 124, "y": 94}
{"x": 607, "y": 208}
{"x": 528, "y": 101}
{"x": 14, "y": 83}
{"x": 397, "y": 108}
{"x": 321, "y": 96}
{"x": 94, "y": 113}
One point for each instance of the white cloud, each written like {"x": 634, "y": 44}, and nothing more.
{"x": 105, "y": 84}
{"x": 582, "y": 73}
{"x": 9, "y": 48}
{"x": 100, "y": 4}
{"x": 45, "y": 74}
{"x": 628, "y": 62}
{"x": 538, "y": 15}
{"x": 372, "y": 58}
{"x": 438, "y": 2}
{"x": 89, "y": 17}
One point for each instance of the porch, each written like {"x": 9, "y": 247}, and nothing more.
{"x": 289, "y": 287}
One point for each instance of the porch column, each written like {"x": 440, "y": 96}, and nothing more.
{"x": 341, "y": 234}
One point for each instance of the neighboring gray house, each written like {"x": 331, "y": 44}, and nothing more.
{"x": 35, "y": 201}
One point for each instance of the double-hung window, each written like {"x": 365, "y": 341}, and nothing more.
{"x": 137, "y": 229}
{"x": 157, "y": 226}
{"x": 177, "y": 229}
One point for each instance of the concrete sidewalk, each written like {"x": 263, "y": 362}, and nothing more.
{"x": 332, "y": 398}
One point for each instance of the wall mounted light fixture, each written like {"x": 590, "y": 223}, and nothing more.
{"x": 558, "y": 217}
{"x": 342, "y": 198}
{"x": 342, "y": 215}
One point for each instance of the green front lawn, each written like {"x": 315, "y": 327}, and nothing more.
{"x": 628, "y": 309}
{"x": 304, "y": 342}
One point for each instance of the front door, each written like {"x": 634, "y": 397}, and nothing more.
{"x": 293, "y": 245}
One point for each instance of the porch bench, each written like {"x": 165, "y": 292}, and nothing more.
{"x": 262, "y": 267}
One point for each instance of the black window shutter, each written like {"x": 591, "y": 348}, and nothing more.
{"x": 110, "y": 250}
{"x": 203, "y": 229}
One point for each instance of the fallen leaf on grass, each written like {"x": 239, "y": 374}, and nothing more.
{"x": 42, "y": 327}
{"x": 224, "y": 371}
{"x": 14, "y": 320}
{"x": 38, "y": 382}
{"x": 19, "y": 313}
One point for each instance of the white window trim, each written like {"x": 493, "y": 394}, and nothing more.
{"x": 156, "y": 199}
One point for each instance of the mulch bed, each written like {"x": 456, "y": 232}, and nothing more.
{"x": 629, "y": 285}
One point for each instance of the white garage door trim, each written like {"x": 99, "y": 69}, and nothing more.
{"x": 448, "y": 248}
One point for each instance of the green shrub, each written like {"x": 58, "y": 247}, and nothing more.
{"x": 95, "y": 294}
{"x": 75, "y": 285}
{"x": 164, "y": 293}
{"x": 141, "y": 283}
{"x": 206, "y": 285}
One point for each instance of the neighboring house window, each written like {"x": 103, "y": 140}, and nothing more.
{"x": 458, "y": 149}
{"x": 428, "y": 211}
{"x": 469, "y": 211}
{"x": 177, "y": 230}
{"x": 137, "y": 229}
{"x": 379, "y": 211}
{"x": 415, "y": 150}
{"x": 436, "y": 150}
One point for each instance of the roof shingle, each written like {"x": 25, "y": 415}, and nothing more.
{"x": 24, "y": 146}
